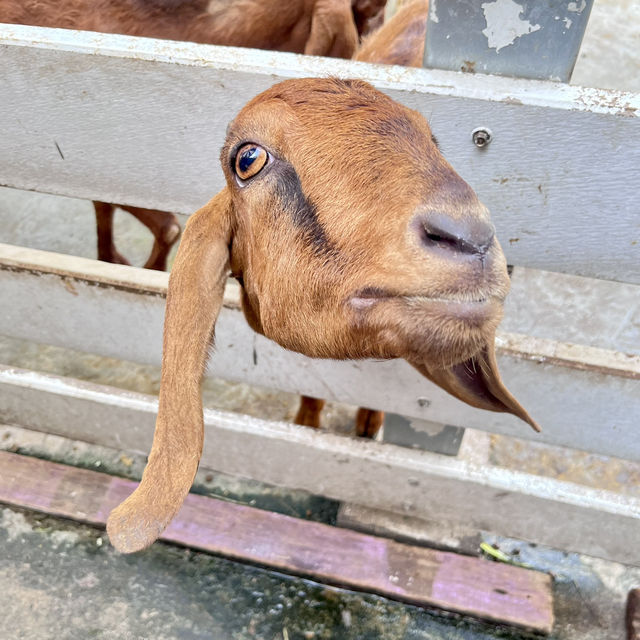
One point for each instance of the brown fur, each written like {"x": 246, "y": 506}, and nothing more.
{"x": 318, "y": 27}
{"x": 399, "y": 41}
{"x": 633, "y": 615}
{"x": 351, "y": 175}
{"x": 163, "y": 225}
{"x": 222, "y": 22}
{"x": 368, "y": 14}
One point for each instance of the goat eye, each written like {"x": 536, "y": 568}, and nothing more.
{"x": 250, "y": 160}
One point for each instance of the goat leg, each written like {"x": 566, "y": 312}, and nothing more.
{"x": 368, "y": 421}
{"x": 165, "y": 229}
{"x": 333, "y": 31}
{"x": 107, "y": 251}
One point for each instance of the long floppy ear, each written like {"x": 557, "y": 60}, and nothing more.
{"x": 477, "y": 382}
{"x": 196, "y": 288}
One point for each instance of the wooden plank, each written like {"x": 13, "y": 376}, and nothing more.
{"x": 406, "y": 481}
{"x": 118, "y": 311}
{"x": 461, "y": 584}
{"x": 78, "y": 92}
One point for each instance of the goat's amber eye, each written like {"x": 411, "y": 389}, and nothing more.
{"x": 250, "y": 160}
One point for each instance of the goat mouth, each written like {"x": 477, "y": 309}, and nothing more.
{"x": 459, "y": 305}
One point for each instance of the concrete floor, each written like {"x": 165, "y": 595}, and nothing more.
{"x": 66, "y": 582}
{"x": 60, "y": 579}
{"x": 63, "y": 580}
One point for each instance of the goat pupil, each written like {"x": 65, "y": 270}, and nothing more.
{"x": 247, "y": 158}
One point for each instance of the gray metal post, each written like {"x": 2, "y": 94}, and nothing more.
{"x": 521, "y": 38}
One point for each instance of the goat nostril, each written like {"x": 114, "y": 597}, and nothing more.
{"x": 434, "y": 237}
{"x": 467, "y": 235}
{"x": 441, "y": 240}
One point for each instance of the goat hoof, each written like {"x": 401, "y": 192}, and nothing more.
{"x": 113, "y": 257}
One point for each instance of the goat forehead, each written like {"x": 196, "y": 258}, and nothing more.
{"x": 331, "y": 107}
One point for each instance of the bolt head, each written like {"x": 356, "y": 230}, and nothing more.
{"x": 481, "y": 137}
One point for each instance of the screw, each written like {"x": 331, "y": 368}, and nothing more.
{"x": 481, "y": 137}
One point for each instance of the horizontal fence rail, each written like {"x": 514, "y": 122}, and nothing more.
{"x": 411, "y": 482}
{"x": 141, "y": 121}
{"x": 584, "y": 397}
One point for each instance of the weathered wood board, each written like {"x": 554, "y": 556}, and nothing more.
{"x": 141, "y": 121}
{"x": 118, "y": 311}
{"x": 407, "y": 481}
{"x": 461, "y": 584}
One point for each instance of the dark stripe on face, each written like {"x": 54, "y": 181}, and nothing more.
{"x": 302, "y": 211}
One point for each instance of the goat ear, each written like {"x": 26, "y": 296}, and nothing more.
{"x": 477, "y": 382}
{"x": 196, "y": 288}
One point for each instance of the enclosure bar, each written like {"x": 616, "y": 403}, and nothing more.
{"x": 282, "y": 65}
{"x": 412, "y": 482}
{"x": 67, "y": 95}
{"x": 107, "y": 309}
{"x": 436, "y": 579}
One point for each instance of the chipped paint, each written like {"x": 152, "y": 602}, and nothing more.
{"x": 614, "y": 102}
{"x": 433, "y": 12}
{"x": 573, "y": 6}
{"x": 504, "y": 24}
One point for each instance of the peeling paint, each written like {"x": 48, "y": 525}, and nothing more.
{"x": 433, "y": 12}
{"x": 504, "y": 24}
{"x": 573, "y": 6}
{"x": 613, "y": 102}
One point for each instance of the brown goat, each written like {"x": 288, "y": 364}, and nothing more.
{"x": 317, "y": 27}
{"x": 389, "y": 255}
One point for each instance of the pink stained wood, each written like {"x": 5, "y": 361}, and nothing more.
{"x": 461, "y": 584}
